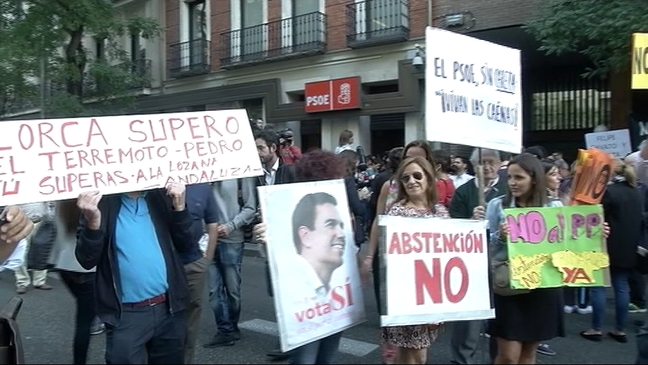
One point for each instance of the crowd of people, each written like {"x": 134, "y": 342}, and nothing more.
{"x": 137, "y": 263}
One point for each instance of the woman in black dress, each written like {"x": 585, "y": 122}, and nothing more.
{"x": 522, "y": 321}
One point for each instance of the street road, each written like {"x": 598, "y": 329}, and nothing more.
{"x": 47, "y": 317}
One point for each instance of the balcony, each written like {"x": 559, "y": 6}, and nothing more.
{"x": 375, "y": 22}
{"x": 299, "y": 36}
{"x": 189, "y": 58}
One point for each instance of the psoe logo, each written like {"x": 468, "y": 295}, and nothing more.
{"x": 345, "y": 94}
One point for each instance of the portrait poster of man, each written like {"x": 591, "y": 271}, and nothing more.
{"x": 312, "y": 257}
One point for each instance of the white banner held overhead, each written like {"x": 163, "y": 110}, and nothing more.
{"x": 616, "y": 142}
{"x": 312, "y": 258}
{"x": 436, "y": 270}
{"x": 54, "y": 159}
{"x": 473, "y": 92}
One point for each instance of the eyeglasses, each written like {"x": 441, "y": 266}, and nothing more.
{"x": 418, "y": 176}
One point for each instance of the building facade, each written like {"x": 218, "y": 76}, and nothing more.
{"x": 323, "y": 66}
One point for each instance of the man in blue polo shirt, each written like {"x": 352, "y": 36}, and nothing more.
{"x": 140, "y": 286}
{"x": 202, "y": 206}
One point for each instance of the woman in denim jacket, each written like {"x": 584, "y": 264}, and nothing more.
{"x": 522, "y": 321}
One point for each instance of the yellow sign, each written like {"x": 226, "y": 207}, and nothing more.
{"x": 639, "y": 61}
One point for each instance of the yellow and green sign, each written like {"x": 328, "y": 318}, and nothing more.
{"x": 553, "y": 247}
{"x": 640, "y": 61}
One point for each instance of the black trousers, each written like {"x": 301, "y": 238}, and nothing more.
{"x": 81, "y": 285}
{"x": 637, "y": 283}
{"x": 147, "y": 335}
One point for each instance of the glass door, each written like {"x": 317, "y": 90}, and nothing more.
{"x": 306, "y": 24}
{"x": 253, "y": 32}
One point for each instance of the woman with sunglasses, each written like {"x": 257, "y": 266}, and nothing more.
{"x": 416, "y": 197}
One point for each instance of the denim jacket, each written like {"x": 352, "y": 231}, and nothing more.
{"x": 495, "y": 216}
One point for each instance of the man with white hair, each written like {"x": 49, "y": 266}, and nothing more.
{"x": 639, "y": 161}
{"x": 465, "y": 205}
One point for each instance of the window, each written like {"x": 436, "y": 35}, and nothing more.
{"x": 197, "y": 20}
{"x": 100, "y": 49}
{"x": 379, "y": 18}
{"x": 305, "y": 27}
{"x": 253, "y": 37}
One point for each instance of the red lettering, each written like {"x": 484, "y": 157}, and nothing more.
{"x": 571, "y": 275}
{"x": 209, "y": 124}
{"x": 431, "y": 282}
{"x": 65, "y": 142}
{"x": 458, "y": 263}
{"x": 131, "y": 127}
{"x": 94, "y": 125}
{"x": 193, "y": 127}
{"x": 25, "y": 144}
{"x": 230, "y": 124}
{"x": 175, "y": 127}
{"x": 44, "y": 129}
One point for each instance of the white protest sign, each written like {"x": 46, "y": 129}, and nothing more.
{"x": 473, "y": 92}
{"x": 54, "y": 159}
{"x": 616, "y": 142}
{"x": 312, "y": 258}
{"x": 436, "y": 270}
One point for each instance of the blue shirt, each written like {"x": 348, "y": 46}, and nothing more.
{"x": 202, "y": 207}
{"x": 141, "y": 264}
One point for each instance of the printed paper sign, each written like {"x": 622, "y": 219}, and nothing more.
{"x": 472, "y": 92}
{"x": 54, "y": 159}
{"x": 639, "y": 61}
{"x": 617, "y": 142}
{"x": 592, "y": 173}
{"x": 552, "y": 247}
{"x": 312, "y": 257}
{"x": 436, "y": 270}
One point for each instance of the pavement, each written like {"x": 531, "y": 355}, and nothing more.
{"x": 47, "y": 325}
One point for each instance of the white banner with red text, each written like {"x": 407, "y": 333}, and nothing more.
{"x": 55, "y": 159}
{"x": 435, "y": 270}
{"x": 312, "y": 258}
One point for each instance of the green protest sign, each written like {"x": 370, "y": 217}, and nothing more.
{"x": 553, "y": 247}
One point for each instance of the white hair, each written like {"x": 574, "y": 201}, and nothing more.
{"x": 474, "y": 157}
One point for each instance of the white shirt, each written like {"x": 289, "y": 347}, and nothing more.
{"x": 270, "y": 175}
{"x": 460, "y": 179}
{"x": 17, "y": 257}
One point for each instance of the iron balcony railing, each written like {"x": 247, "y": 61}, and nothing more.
{"x": 301, "y": 35}
{"x": 189, "y": 58}
{"x": 374, "y": 22}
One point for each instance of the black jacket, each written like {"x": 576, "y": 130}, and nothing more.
{"x": 175, "y": 231}
{"x": 285, "y": 175}
{"x": 623, "y": 208}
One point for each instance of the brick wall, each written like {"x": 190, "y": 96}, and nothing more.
{"x": 220, "y": 23}
{"x": 488, "y": 14}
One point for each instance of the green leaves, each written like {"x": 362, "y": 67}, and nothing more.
{"x": 58, "y": 34}
{"x": 599, "y": 29}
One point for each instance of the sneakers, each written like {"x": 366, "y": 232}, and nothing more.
{"x": 633, "y": 308}
{"x": 544, "y": 349}
{"x": 97, "y": 327}
{"x": 586, "y": 310}
{"x": 576, "y": 309}
{"x": 221, "y": 339}
{"x": 21, "y": 290}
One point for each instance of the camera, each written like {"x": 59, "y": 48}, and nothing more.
{"x": 286, "y": 136}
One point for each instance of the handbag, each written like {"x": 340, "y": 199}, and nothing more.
{"x": 41, "y": 244}
{"x": 502, "y": 279}
{"x": 11, "y": 346}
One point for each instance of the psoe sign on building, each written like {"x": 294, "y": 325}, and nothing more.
{"x": 337, "y": 94}
{"x": 639, "y": 61}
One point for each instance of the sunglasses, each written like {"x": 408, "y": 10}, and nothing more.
{"x": 418, "y": 176}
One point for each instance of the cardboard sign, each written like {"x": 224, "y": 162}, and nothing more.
{"x": 639, "y": 61}
{"x": 553, "y": 247}
{"x": 593, "y": 171}
{"x": 312, "y": 258}
{"x": 436, "y": 270}
{"x": 53, "y": 159}
{"x": 473, "y": 92}
{"x": 616, "y": 142}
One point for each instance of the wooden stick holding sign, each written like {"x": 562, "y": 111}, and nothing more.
{"x": 480, "y": 181}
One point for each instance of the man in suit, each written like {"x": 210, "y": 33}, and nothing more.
{"x": 275, "y": 172}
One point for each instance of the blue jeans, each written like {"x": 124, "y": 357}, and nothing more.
{"x": 225, "y": 286}
{"x": 619, "y": 278}
{"x": 322, "y": 351}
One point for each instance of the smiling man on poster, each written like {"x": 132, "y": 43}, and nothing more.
{"x": 315, "y": 292}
